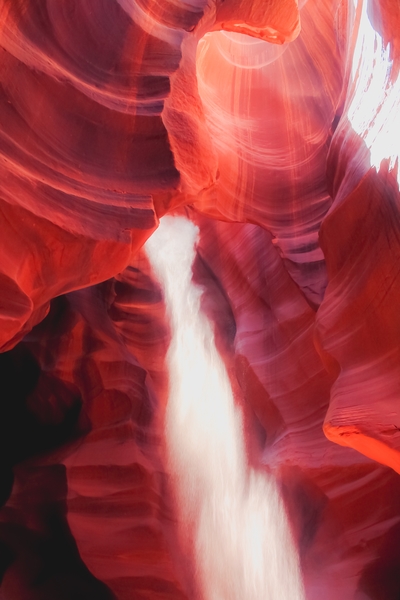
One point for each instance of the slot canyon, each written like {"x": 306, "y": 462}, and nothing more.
{"x": 199, "y": 300}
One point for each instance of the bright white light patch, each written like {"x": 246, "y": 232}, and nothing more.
{"x": 243, "y": 546}
{"x": 374, "y": 112}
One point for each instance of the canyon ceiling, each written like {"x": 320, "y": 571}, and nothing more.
{"x": 275, "y": 128}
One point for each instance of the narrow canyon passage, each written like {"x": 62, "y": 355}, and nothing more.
{"x": 241, "y": 538}
{"x": 235, "y": 438}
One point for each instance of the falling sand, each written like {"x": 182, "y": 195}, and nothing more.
{"x": 243, "y": 546}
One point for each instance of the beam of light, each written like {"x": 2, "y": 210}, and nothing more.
{"x": 374, "y": 111}
{"x": 242, "y": 542}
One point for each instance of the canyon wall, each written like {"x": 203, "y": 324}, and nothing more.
{"x": 273, "y": 127}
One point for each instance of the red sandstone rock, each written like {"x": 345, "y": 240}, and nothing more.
{"x": 113, "y": 113}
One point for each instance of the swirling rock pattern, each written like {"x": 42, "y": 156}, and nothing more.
{"x": 114, "y": 113}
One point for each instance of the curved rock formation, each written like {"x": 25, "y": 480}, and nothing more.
{"x": 274, "y": 127}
